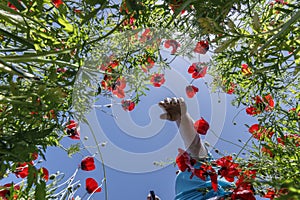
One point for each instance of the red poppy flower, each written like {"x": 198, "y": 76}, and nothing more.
{"x": 198, "y": 70}
{"x": 207, "y": 170}
{"x": 184, "y": 161}
{"x": 146, "y": 35}
{"x": 229, "y": 170}
{"x": 91, "y": 186}
{"x": 113, "y": 64}
{"x": 12, "y": 6}
{"x": 252, "y": 111}
{"x": 88, "y": 164}
{"x": 172, "y": 43}
{"x": 157, "y": 80}
{"x": 118, "y": 88}
{"x": 259, "y": 132}
{"x": 269, "y": 101}
{"x": 231, "y": 88}
{"x": 266, "y": 150}
{"x": 201, "y": 47}
{"x": 201, "y": 126}
{"x": 243, "y": 190}
{"x": 5, "y": 191}
{"x": 72, "y": 130}
{"x": 191, "y": 91}
{"x": 246, "y": 70}
{"x": 45, "y": 173}
{"x": 22, "y": 170}
{"x": 57, "y": 3}
{"x": 127, "y": 105}
{"x": 148, "y": 64}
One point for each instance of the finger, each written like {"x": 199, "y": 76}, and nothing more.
{"x": 165, "y": 116}
{"x": 167, "y": 101}
{"x": 174, "y": 101}
{"x": 162, "y": 104}
{"x": 181, "y": 100}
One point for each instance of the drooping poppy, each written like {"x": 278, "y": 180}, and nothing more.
{"x": 88, "y": 164}
{"x": 202, "y": 47}
{"x": 172, "y": 43}
{"x": 157, "y": 80}
{"x": 72, "y": 130}
{"x": 127, "y": 105}
{"x": 191, "y": 91}
{"x": 45, "y": 173}
{"x": 198, "y": 70}
{"x": 201, "y": 126}
{"x": 92, "y": 186}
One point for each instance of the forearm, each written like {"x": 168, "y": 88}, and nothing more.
{"x": 190, "y": 137}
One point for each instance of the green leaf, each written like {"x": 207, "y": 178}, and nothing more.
{"x": 40, "y": 190}
{"x": 225, "y": 45}
{"x": 256, "y": 23}
{"x": 67, "y": 26}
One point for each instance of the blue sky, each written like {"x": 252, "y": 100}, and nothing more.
{"x": 137, "y": 139}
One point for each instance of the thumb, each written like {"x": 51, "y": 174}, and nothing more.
{"x": 165, "y": 116}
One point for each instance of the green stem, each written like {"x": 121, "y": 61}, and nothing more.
{"x": 102, "y": 160}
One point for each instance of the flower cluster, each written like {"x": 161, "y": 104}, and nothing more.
{"x": 260, "y": 104}
{"x": 223, "y": 167}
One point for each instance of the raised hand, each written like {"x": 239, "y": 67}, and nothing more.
{"x": 174, "y": 108}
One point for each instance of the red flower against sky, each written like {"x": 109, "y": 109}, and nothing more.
{"x": 201, "y": 47}
{"x": 57, "y": 3}
{"x": 45, "y": 173}
{"x": 88, "y": 164}
{"x": 72, "y": 130}
{"x": 198, "y": 70}
{"x": 201, "y": 126}
{"x": 259, "y": 132}
{"x": 246, "y": 70}
{"x": 172, "y": 43}
{"x": 184, "y": 161}
{"x": 118, "y": 88}
{"x": 127, "y": 105}
{"x": 191, "y": 91}
{"x": 92, "y": 186}
{"x": 157, "y": 80}
{"x": 22, "y": 170}
{"x": 229, "y": 170}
